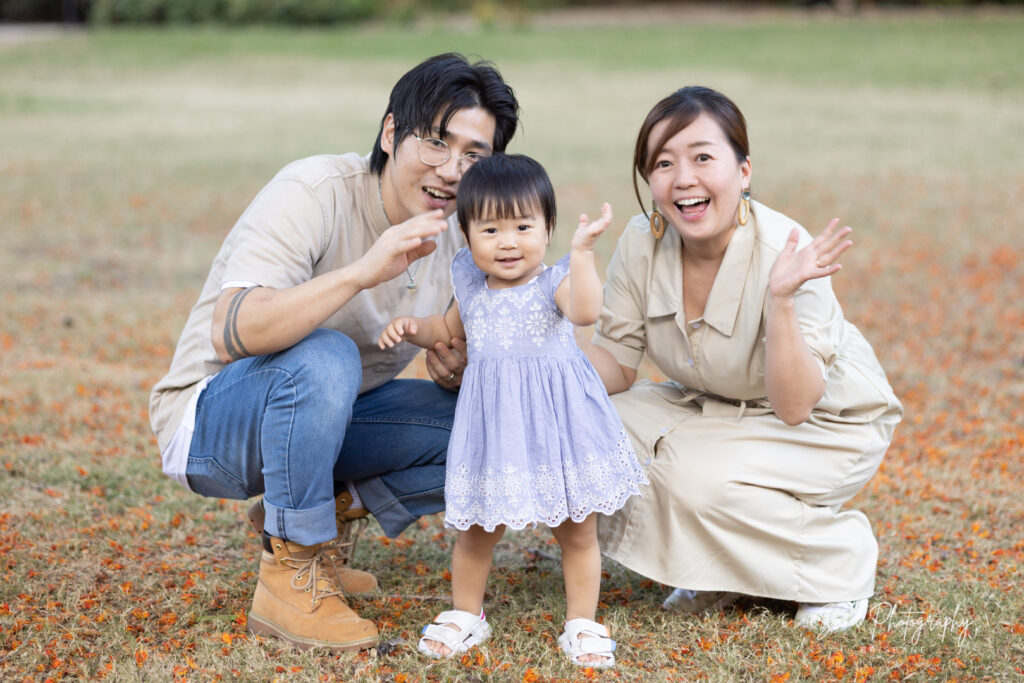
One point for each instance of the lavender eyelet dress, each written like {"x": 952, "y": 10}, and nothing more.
{"x": 535, "y": 438}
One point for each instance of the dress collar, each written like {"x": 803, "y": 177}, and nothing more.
{"x": 726, "y": 295}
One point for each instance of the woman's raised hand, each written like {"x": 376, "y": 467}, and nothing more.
{"x": 818, "y": 259}
{"x": 587, "y": 233}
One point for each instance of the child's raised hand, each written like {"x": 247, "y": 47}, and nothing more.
{"x": 587, "y": 233}
{"x": 396, "y": 331}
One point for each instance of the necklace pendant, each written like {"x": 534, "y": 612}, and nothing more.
{"x": 411, "y": 286}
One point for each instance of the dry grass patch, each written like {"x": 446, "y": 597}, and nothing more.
{"x": 127, "y": 156}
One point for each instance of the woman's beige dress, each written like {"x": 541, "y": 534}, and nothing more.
{"x": 738, "y": 500}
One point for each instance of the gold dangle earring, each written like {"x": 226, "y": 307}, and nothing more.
{"x": 658, "y": 221}
{"x": 744, "y": 206}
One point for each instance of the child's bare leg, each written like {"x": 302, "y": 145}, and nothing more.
{"x": 471, "y": 564}
{"x": 581, "y": 567}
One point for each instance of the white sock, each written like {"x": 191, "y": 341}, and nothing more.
{"x": 357, "y": 502}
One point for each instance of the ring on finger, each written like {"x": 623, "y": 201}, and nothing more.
{"x": 450, "y": 377}
{"x": 819, "y": 264}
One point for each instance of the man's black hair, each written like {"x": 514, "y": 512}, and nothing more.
{"x": 444, "y": 85}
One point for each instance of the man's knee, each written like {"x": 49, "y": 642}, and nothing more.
{"x": 330, "y": 355}
{"x": 326, "y": 368}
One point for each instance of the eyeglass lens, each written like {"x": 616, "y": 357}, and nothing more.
{"x": 434, "y": 152}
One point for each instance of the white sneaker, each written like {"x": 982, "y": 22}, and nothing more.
{"x": 698, "y": 602}
{"x": 832, "y": 617}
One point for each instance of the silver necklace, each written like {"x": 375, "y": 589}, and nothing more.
{"x": 380, "y": 193}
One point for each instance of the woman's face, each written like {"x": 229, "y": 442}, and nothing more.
{"x": 696, "y": 182}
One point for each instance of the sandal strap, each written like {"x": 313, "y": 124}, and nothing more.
{"x": 474, "y": 630}
{"x": 596, "y": 646}
{"x": 574, "y": 627}
{"x": 447, "y": 636}
{"x": 597, "y": 642}
{"x": 466, "y": 621}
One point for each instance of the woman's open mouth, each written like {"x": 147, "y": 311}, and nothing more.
{"x": 693, "y": 207}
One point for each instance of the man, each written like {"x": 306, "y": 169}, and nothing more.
{"x": 277, "y": 385}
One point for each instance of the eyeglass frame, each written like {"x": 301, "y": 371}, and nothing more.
{"x": 473, "y": 157}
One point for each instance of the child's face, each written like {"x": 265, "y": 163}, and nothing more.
{"x": 510, "y": 250}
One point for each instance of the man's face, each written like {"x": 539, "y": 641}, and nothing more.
{"x": 410, "y": 187}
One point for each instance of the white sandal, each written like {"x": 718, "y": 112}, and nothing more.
{"x": 473, "y": 630}
{"x": 597, "y": 642}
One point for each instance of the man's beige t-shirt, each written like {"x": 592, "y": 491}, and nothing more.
{"x": 317, "y": 214}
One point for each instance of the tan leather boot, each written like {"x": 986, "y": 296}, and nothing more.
{"x": 350, "y": 523}
{"x": 296, "y": 600}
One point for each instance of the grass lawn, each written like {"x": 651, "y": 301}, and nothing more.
{"x": 125, "y": 157}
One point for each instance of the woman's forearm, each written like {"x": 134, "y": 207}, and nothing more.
{"x": 616, "y": 378}
{"x": 792, "y": 376}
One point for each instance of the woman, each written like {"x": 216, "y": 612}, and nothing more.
{"x": 776, "y": 411}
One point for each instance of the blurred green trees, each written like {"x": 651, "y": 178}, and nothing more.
{"x": 327, "y": 12}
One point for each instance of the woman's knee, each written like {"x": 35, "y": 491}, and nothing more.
{"x": 694, "y": 483}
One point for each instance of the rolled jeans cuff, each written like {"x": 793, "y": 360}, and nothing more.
{"x": 305, "y": 527}
{"x": 392, "y": 513}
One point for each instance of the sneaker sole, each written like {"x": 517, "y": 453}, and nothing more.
{"x": 259, "y": 627}
{"x": 702, "y": 606}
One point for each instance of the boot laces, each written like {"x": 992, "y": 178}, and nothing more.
{"x": 308, "y": 576}
{"x": 348, "y": 535}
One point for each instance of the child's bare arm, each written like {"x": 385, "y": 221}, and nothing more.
{"x": 423, "y": 332}
{"x": 579, "y": 296}
{"x": 453, "y": 321}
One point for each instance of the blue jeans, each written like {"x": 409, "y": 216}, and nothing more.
{"x": 291, "y": 425}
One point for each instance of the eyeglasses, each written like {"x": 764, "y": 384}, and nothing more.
{"x": 435, "y": 152}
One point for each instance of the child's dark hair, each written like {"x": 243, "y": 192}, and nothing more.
{"x": 504, "y": 186}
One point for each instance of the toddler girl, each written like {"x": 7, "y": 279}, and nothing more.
{"x": 535, "y": 438}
